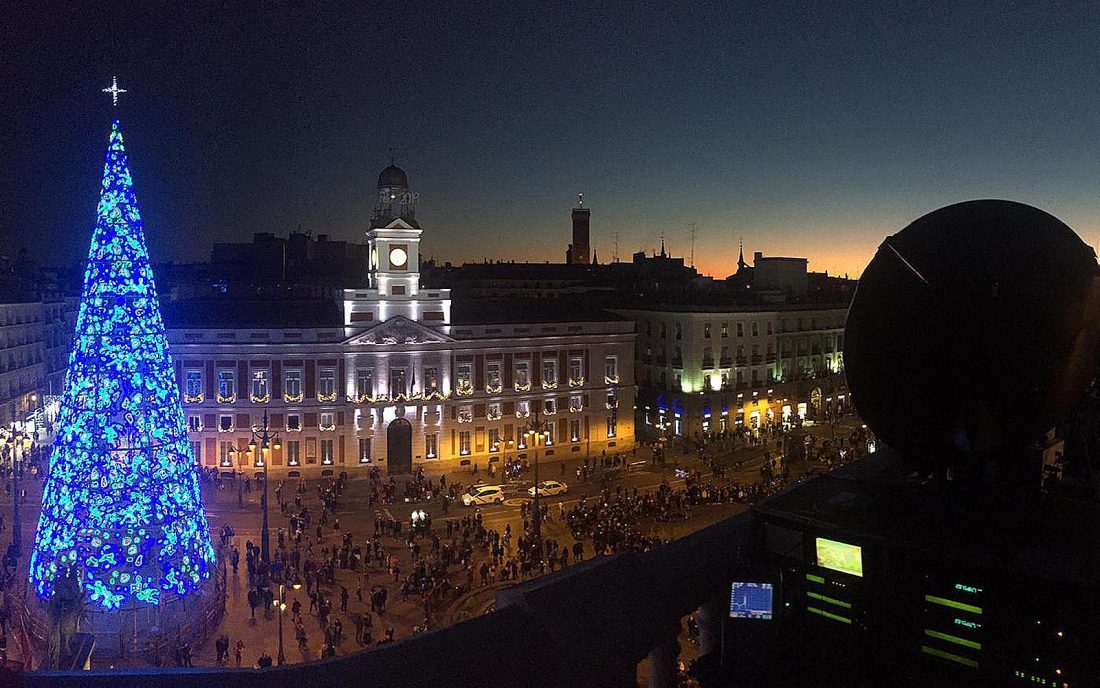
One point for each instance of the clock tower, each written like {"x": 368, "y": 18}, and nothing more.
{"x": 393, "y": 240}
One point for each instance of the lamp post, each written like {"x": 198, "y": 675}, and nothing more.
{"x": 535, "y": 431}
{"x": 267, "y": 441}
{"x": 280, "y": 604}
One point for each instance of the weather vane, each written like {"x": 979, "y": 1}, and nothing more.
{"x": 114, "y": 90}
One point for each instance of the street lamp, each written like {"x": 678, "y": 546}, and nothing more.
{"x": 267, "y": 441}
{"x": 280, "y": 604}
{"x": 534, "y": 431}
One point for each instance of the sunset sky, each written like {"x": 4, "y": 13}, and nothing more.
{"x": 810, "y": 129}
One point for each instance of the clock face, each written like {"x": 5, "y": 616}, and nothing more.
{"x": 398, "y": 257}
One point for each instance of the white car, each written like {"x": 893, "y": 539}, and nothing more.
{"x": 549, "y": 488}
{"x": 483, "y": 494}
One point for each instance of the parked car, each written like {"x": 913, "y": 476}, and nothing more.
{"x": 549, "y": 488}
{"x": 483, "y": 494}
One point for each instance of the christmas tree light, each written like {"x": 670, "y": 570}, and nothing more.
{"x": 122, "y": 504}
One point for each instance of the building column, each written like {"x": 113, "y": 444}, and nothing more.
{"x": 663, "y": 666}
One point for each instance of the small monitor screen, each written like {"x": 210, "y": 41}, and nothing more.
{"x": 751, "y": 601}
{"x": 840, "y": 556}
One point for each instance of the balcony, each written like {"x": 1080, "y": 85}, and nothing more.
{"x": 725, "y": 362}
{"x": 757, "y": 359}
{"x": 708, "y": 363}
{"x": 742, "y": 360}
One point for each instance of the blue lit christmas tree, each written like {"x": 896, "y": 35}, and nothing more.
{"x": 122, "y": 504}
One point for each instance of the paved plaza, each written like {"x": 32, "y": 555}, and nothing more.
{"x": 231, "y": 504}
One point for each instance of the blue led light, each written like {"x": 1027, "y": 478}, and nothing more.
{"x": 122, "y": 501}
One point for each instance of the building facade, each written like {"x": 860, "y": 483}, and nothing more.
{"x": 395, "y": 381}
{"x": 35, "y": 338}
{"x": 704, "y": 370}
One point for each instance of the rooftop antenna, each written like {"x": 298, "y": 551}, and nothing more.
{"x": 393, "y": 155}
{"x": 692, "y": 244}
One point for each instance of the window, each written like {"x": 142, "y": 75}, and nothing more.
{"x": 549, "y": 373}
{"x": 708, "y": 357}
{"x": 550, "y": 406}
{"x": 464, "y": 379}
{"x": 293, "y": 386}
{"x": 225, "y": 423}
{"x": 293, "y": 453}
{"x": 293, "y": 422}
{"x": 431, "y": 380}
{"x": 194, "y": 423}
{"x": 612, "y": 401}
{"x": 664, "y": 330}
{"x": 465, "y": 414}
{"x": 679, "y": 331}
{"x": 725, "y": 330}
{"x": 327, "y": 423}
{"x": 494, "y": 411}
{"x": 523, "y": 375}
{"x": 611, "y": 368}
{"x": 769, "y": 327}
{"x": 196, "y": 451}
{"x": 550, "y": 438}
{"x": 326, "y": 452}
{"x": 399, "y": 384}
{"x": 574, "y": 431}
{"x": 224, "y": 457}
{"x": 364, "y": 450}
{"x": 523, "y": 409}
{"x": 193, "y": 393}
{"x": 464, "y": 442}
{"x": 431, "y": 446}
{"x": 494, "y": 439}
{"x": 364, "y": 384}
{"x": 706, "y": 330}
{"x": 740, "y": 329}
{"x": 227, "y": 388}
{"x": 492, "y": 377}
{"x": 576, "y": 371}
{"x": 754, "y": 328}
{"x": 576, "y": 403}
{"x": 725, "y": 378}
{"x": 326, "y": 385}
{"x": 260, "y": 392}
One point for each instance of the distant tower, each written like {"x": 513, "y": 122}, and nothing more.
{"x": 394, "y": 198}
{"x": 579, "y": 252}
{"x": 741, "y": 264}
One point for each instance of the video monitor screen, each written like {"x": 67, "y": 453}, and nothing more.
{"x": 751, "y": 601}
{"x": 840, "y": 556}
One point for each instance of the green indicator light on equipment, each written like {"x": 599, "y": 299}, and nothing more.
{"x": 953, "y": 639}
{"x": 829, "y": 615}
{"x": 830, "y": 600}
{"x": 968, "y": 588}
{"x": 965, "y": 661}
{"x": 953, "y": 604}
{"x": 814, "y": 578}
{"x": 973, "y": 625}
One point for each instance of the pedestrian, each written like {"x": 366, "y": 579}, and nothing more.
{"x": 343, "y": 599}
{"x": 239, "y": 652}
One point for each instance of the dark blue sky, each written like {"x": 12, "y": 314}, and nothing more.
{"x": 811, "y": 129}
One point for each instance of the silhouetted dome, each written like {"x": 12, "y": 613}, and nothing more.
{"x": 392, "y": 176}
{"x": 973, "y": 331}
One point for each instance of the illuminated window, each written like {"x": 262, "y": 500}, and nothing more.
{"x": 227, "y": 385}
{"x": 754, "y": 328}
{"x": 194, "y": 423}
{"x": 326, "y": 385}
{"x": 550, "y": 435}
{"x": 523, "y": 375}
{"x": 492, "y": 377}
{"x": 364, "y": 383}
{"x": 399, "y": 385}
{"x": 326, "y": 452}
{"x": 494, "y": 439}
{"x": 574, "y": 431}
{"x": 293, "y": 453}
{"x": 431, "y": 445}
{"x": 706, "y": 330}
{"x": 550, "y": 406}
{"x": 327, "y": 421}
{"x": 293, "y": 386}
{"x": 611, "y": 367}
{"x": 364, "y": 450}
{"x": 494, "y": 411}
{"x": 260, "y": 392}
{"x": 224, "y": 457}
{"x": 464, "y": 379}
{"x": 549, "y": 373}
{"x": 576, "y": 370}
{"x": 740, "y": 329}
{"x": 464, "y": 442}
{"x": 613, "y": 423}
{"x": 431, "y": 380}
{"x": 194, "y": 390}
{"x": 225, "y": 423}
{"x": 725, "y": 330}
